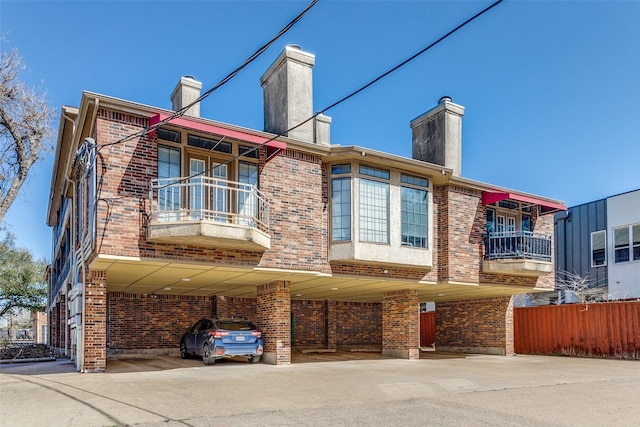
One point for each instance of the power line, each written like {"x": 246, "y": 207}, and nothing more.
{"x": 222, "y": 82}
{"x": 355, "y": 92}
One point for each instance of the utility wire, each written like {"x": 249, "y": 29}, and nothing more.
{"x": 222, "y": 82}
{"x": 352, "y": 94}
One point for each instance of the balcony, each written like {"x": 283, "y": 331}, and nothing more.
{"x": 522, "y": 253}
{"x": 209, "y": 212}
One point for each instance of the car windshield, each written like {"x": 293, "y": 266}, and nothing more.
{"x": 236, "y": 326}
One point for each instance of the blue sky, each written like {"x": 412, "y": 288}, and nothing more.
{"x": 551, "y": 89}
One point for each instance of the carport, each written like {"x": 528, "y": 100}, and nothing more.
{"x": 151, "y": 303}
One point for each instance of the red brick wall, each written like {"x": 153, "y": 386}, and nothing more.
{"x": 335, "y": 324}
{"x": 465, "y": 229}
{"x": 369, "y": 270}
{"x": 358, "y": 324}
{"x": 95, "y": 322}
{"x": 310, "y": 323}
{"x": 138, "y": 321}
{"x": 474, "y": 325}
{"x": 331, "y": 324}
{"x": 295, "y": 184}
{"x": 236, "y": 307}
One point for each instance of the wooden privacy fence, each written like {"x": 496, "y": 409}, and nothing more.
{"x": 427, "y": 329}
{"x": 609, "y": 329}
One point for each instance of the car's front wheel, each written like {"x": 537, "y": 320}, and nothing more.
{"x": 183, "y": 350}
{"x": 206, "y": 355}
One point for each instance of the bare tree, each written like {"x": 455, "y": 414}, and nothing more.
{"x": 25, "y": 127}
{"x": 582, "y": 288}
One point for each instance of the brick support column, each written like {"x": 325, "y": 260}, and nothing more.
{"x": 273, "y": 306}
{"x": 331, "y": 324}
{"x": 401, "y": 324}
{"x": 222, "y": 307}
{"x": 475, "y": 326}
{"x": 95, "y": 322}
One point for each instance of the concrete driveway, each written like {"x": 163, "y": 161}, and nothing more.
{"x": 474, "y": 390}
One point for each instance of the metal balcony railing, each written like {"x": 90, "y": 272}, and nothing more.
{"x": 60, "y": 277}
{"x": 517, "y": 245}
{"x": 208, "y": 199}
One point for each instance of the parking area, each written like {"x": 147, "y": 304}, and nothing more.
{"x": 139, "y": 363}
{"x": 435, "y": 390}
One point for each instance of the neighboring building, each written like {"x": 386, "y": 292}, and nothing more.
{"x": 321, "y": 245}
{"x": 599, "y": 243}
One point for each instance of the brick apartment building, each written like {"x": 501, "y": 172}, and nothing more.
{"x": 323, "y": 246}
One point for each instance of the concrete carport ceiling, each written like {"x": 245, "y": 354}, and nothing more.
{"x": 170, "y": 277}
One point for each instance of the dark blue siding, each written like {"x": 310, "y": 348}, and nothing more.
{"x": 572, "y": 234}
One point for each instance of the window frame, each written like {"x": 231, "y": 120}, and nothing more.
{"x": 414, "y": 184}
{"x": 342, "y": 173}
{"x": 632, "y": 246}
{"x": 604, "y": 248}
{"x": 376, "y": 213}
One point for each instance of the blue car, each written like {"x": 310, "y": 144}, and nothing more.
{"x": 213, "y": 338}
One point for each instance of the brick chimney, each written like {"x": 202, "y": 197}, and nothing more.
{"x": 437, "y": 135}
{"x": 187, "y": 90}
{"x": 288, "y": 98}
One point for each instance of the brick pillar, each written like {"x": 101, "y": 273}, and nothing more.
{"x": 508, "y": 320}
{"x": 222, "y": 307}
{"x": 401, "y": 324}
{"x": 95, "y": 322}
{"x": 331, "y": 324}
{"x": 273, "y": 306}
{"x": 475, "y": 326}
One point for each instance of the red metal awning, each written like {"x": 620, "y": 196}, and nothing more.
{"x": 218, "y": 130}
{"x": 489, "y": 197}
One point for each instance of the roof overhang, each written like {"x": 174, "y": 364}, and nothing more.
{"x": 185, "y": 122}
{"x": 546, "y": 206}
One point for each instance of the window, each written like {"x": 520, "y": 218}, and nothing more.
{"x": 251, "y": 152}
{"x": 621, "y": 244}
{"x": 374, "y": 211}
{"x": 374, "y": 172}
{"x": 341, "y": 203}
{"x": 168, "y": 167}
{"x": 414, "y": 212}
{"x": 636, "y": 241}
{"x": 340, "y": 169}
{"x": 209, "y": 144}
{"x": 598, "y": 249}
{"x": 491, "y": 220}
{"x": 508, "y": 216}
{"x": 367, "y": 193}
{"x": 626, "y": 241}
{"x": 247, "y": 199}
{"x": 169, "y": 135}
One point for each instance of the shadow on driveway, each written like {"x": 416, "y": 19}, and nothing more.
{"x": 140, "y": 363}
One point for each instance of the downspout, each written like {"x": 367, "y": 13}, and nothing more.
{"x": 83, "y": 261}
{"x": 88, "y": 231}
